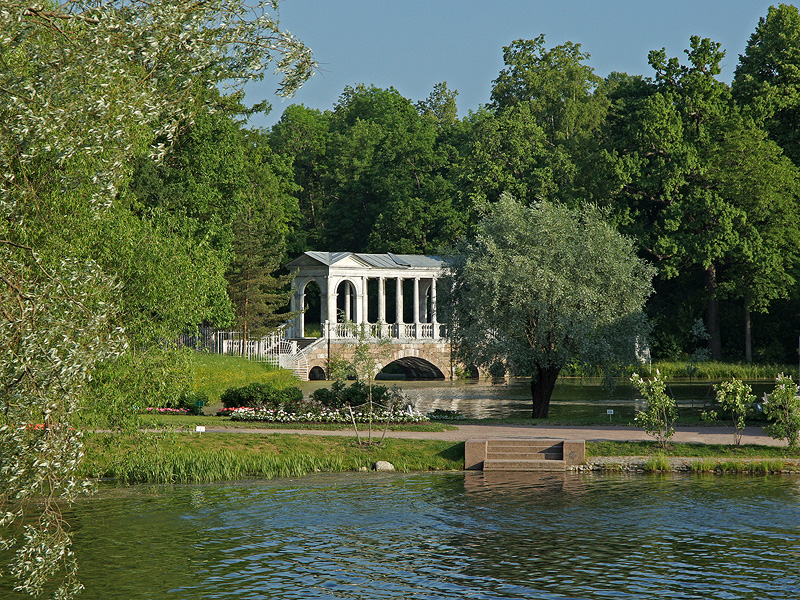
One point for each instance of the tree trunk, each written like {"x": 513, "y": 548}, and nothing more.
{"x": 748, "y": 343}
{"x": 542, "y": 389}
{"x": 712, "y": 314}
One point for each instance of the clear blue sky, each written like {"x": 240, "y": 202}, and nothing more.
{"x": 414, "y": 44}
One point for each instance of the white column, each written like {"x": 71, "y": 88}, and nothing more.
{"x": 331, "y": 301}
{"x": 323, "y": 301}
{"x": 416, "y": 307}
{"x": 300, "y": 320}
{"x": 433, "y": 309}
{"x": 364, "y": 301}
{"x": 423, "y": 302}
{"x": 297, "y": 322}
{"x": 399, "y": 301}
{"x": 381, "y": 300}
{"x": 348, "y": 297}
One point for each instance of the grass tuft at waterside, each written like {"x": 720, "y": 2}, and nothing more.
{"x": 193, "y": 458}
{"x": 716, "y": 370}
{"x": 711, "y": 451}
{"x": 687, "y": 369}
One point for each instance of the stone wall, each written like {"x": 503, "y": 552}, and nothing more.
{"x": 424, "y": 358}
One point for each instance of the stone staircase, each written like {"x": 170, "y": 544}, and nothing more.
{"x": 523, "y": 454}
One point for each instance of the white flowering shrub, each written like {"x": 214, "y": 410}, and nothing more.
{"x": 85, "y": 85}
{"x": 327, "y": 415}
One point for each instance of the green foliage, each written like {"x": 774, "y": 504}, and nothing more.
{"x": 735, "y": 397}
{"x": 782, "y": 408}
{"x": 160, "y": 377}
{"x": 768, "y": 74}
{"x": 263, "y": 395}
{"x": 658, "y": 418}
{"x": 188, "y": 458}
{"x": 340, "y": 395}
{"x": 215, "y": 373}
{"x": 699, "y": 185}
{"x": 714, "y": 370}
{"x": 73, "y": 118}
{"x": 385, "y": 176}
{"x": 540, "y": 286}
{"x": 746, "y": 452}
{"x": 559, "y": 88}
{"x": 659, "y": 462}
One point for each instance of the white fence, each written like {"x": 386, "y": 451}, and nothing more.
{"x": 408, "y": 331}
{"x": 272, "y": 349}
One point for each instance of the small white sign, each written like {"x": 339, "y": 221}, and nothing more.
{"x": 610, "y": 411}
{"x": 200, "y": 429}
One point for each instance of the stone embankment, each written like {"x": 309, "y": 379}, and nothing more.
{"x": 638, "y": 464}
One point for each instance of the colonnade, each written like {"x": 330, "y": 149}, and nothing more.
{"x": 345, "y": 300}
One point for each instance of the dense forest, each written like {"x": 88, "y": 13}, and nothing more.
{"x": 702, "y": 174}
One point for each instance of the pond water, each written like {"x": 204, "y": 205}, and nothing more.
{"x": 511, "y": 397}
{"x": 444, "y": 535}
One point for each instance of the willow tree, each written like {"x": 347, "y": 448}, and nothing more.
{"x": 538, "y": 287}
{"x": 84, "y": 86}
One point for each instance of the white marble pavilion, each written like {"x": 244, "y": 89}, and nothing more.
{"x": 393, "y": 294}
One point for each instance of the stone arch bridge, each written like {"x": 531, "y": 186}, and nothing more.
{"x": 418, "y": 359}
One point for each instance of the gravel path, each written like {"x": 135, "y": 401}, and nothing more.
{"x": 594, "y": 433}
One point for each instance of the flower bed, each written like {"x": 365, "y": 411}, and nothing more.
{"x": 167, "y": 411}
{"x": 325, "y": 415}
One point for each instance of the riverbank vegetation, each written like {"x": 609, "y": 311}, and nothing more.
{"x": 195, "y": 458}
{"x": 192, "y": 457}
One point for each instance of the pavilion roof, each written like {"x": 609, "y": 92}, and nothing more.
{"x": 380, "y": 261}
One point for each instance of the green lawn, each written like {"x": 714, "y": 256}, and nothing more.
{"x": 215, "y": 373}
{"x": 191, "y": 457}
{"x": 747, "y": 451}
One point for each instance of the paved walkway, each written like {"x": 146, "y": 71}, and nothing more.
{"x": 593, "y": 433}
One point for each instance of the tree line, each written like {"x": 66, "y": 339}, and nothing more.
{"x": 701, "y": 174}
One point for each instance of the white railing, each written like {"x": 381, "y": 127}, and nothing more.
{"x": 406, "y": 331}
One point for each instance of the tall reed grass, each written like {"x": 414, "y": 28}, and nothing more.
{"x": 187, "y": 458}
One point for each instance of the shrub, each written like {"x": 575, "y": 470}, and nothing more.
{"x": 736, "y": 397}
{"x": 340, "y": 394}
{"x": 782, "y": 408}
{"x": 266, "y": 395}
{"x": 659, "y": 418}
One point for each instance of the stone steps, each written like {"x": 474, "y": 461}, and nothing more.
{"x": 491, "y": 464}
{"x": 523, "y": 454}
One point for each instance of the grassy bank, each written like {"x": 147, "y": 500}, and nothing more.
{"x": 695, "y": 458}
{"x": 193, "y": 458}
{"x": 185, "y": 457}
{"x": 720, "y": 451}
{"x": 215, "y": 373}
{"x": 717, "y": 370}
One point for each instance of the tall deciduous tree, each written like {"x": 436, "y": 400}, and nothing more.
{"x": 301, "y": 135}
{"x": 561, "y": 90}
{"x": 540, "y": 286}
{"x": 698, "y": 185}
{"x": 386, "y": 176}
{"x": 767, "y": 78}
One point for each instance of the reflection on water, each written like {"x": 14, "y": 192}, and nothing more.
{"x": 441, "y": 536}
{"x": 511, "y": 397}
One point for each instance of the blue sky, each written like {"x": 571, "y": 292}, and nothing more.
{"x": 414, "y": 44}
